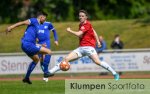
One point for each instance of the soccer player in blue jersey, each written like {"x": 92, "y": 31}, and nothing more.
{"x": 28, "y": 42}
{"x": 43, "y": 38}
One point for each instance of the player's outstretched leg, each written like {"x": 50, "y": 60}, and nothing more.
{"x": 70, "y": 57}
{"x": 107, "y": 67}
{"x": 56, "y": 67}
{"x": 116, "y": 76}
{"x": 103, "y": 64}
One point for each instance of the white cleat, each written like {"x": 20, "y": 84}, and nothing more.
{"x": 45, "y": 79}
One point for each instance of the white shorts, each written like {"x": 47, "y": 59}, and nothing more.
{"x": 85, "y": 51}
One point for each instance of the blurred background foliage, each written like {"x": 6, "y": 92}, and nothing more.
{"x": 128, "y": 18}
{"x": 66, "y": 10}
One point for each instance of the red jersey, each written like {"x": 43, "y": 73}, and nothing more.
{"x": 88, "y": 38}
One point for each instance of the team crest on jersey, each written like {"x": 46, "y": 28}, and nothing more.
{"x": 45, "y": 27}
{"x": 82, "y": 28}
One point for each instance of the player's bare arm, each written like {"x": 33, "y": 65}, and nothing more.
{"x": 26, "y": 22}
{"x": 56, "y": 43}
{"x": 96, "y": 37}
{"x": 76, "y": 33}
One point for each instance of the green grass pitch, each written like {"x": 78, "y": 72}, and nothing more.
{"x": 37, "y": 87}
{"x": 58, "y": 87}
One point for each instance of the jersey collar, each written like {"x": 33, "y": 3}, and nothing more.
{"x": 38, "y": 21}
{"x": 84, "y": 22}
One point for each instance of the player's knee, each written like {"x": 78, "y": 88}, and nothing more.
{"x": 36, "y": 60}
{"x": 97, "y": 62}
{"x": 49, "y": 52}
{"x": 45, "y": 51}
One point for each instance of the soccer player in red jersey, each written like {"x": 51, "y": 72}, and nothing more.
{"x": 87, "y": 42}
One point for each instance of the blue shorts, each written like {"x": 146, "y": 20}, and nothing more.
{"x": 30, "y": 48}
{"x": 47, "y": 45}
{"x": 45, "y": 42}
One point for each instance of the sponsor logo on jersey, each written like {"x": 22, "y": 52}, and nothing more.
{"x": 41, "y": 31}
{"x": 82, "y": 28}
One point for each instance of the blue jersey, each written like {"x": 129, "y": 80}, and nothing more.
{"x": 43, "y": 34}
{"x": 30, "y": 34}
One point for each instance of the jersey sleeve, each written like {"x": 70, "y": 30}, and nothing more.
{"x": 55, "y": 35}
{"x": 51, "y": 27}
{"x": 32, "y": 20}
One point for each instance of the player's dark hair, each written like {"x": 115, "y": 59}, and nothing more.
{"x": 117, "y": 35}
{"x": 84, "y": 11}
{"x": 42, "y": 13}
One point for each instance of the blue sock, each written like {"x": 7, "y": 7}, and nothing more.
{"x": 46, "y": 63}
{"x": 45, "y": 68}
{"x": 30, "y": 69}
{"x": 42, "y": 66}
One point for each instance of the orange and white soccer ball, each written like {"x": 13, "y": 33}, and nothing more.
{"x": 64, "y": 66}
